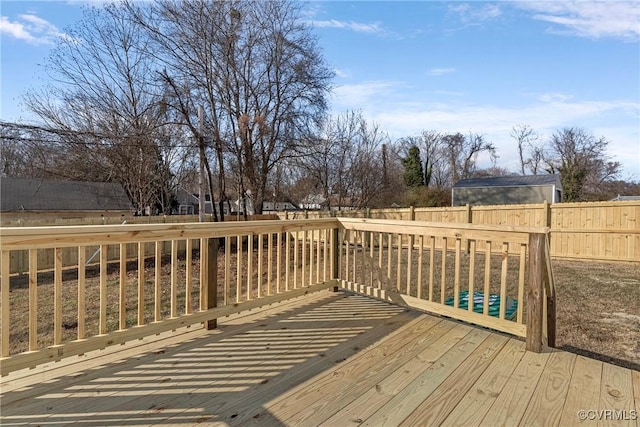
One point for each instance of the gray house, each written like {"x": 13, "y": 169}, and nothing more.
{"x": 22, "y": 198}
{"x": 507, "y": 190}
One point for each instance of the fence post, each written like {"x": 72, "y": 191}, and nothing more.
{"x": 412, "y": 213}
{"x": 535, "y": 291}
{"x": 212, "y": 280}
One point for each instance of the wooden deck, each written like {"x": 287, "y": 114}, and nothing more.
{"x": 333, "y": 359}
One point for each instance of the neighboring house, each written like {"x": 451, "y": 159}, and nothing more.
{"x": 507, "y": 190}
{"x": 22, "y": 198}
{"x": 278, "y": 207}
{"x": 313, "y": 202}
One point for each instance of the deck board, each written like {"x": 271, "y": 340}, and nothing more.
{"x": 331, "y": 359}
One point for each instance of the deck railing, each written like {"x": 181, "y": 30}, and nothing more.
{"x": 234, "y": 267}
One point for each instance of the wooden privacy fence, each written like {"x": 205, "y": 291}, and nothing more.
{"x": 240, "y": 266}
{"x": 603, "y": 231}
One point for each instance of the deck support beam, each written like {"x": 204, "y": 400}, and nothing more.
{"x": 535, "y": 291}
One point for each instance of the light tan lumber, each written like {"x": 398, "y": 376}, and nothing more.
{"x": 188, "y": 277}
{"x": 279, "y": 263}
{"x": 616, "y": 394}
{"x": 511, "y": 403}
{"x": 238, "y": 268}
{"x": 636, "y": 394}
{"x": 33, "y": 299}
{"x": 26, "y": 360}
{"x": 420, "y": 262}
{"x": 399, "y": 263}
{"x": 443, "y": 272}
{"x": 250, "y": 266}
{"x": 402, "y": 404}
{"x": 503, "y": 280}
{"x": 174, "y": 278}
{"x": 141, "y": 283}
{"x": 478, "y": 400}
{"x": 157, "y": 302}
{"x": 14, "y": 238}
{"x": 326, "y": 254}
{"x": 441, "y": 309}
{"x": 346, "y": 382}
{"x": 432, "y": 261}
{"x": 487, "y": 278}
{"x": 456, "y": 275}
{"x": 269, "y": 262}
{"x": 434, "y": 409}
{"x": 122, "y": 314}
{"x": 409, "y": 264}
{"x": 295, "y": 259}
{"x": 521, "y": 276}
{"x": 545, "y": 407}
{"x": 389, "y": 256}
{"x": 472, "y": 277}
{"x": 535, "y": 292}
{"x": 82, "y": 288}
{"x": 57, "y": 298}
{"x": 584, "y": 391}
{"x": 260, "y": 262}
{"x": 4, "y": 297}
{"x": 287, "y": 261}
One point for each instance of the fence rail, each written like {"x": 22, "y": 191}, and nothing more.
{"x": 239, "y": 266}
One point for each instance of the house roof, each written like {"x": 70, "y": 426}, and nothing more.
{"x": 20, "y": 194}
{"x": 625, "y": 198}
{"x": 510, "y": 181}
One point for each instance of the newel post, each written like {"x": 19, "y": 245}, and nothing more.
{"x": 535, "y": 292}
{"x": 212, "y": 280}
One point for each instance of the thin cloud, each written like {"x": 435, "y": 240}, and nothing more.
{"x": 616, "y": 19}
{"x": 31, "y": 29}
{"x": 474, "y": 15}
{"x": 440, "y": 71}
{"x": 357, "y": 27}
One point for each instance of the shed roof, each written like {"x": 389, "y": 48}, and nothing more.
{"x": 510, "y": 181}
{"x": 21, "y": 194}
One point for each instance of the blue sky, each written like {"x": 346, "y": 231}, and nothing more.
{"x": 479, "y": 67}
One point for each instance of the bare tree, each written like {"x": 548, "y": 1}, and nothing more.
{"x": 463, "y": 152}
{"x": 433, "y": 154}
{"x": 107, "y": 108}
{"x": 582, "y": 161}
{"x": 526, "y": 138}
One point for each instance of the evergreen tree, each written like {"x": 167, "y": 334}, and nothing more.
{"x": 413, "y": 173}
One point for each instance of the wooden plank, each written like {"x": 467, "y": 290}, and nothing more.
{"x": 141, "y": 283}
{"x": 409, "y": 264}
{"x": 325, "y": 254}
{"x": 279, "y": 263}
{"x": 238, "y": 269}
{"x": 636, "y": 393}
{"x": 174, "y": 278}
{"x": 535, "y": 292}
{"x": 347, "y": 381}
{"x": 389, "y": 256}
{"x": 295, "y": 260}
{"x": 260, "y": 262}
{"x": 432, "y": 261}
{"x": 616, "y": 396}
{"x": 157, "y": 294}
{"x": 188, "y": 277}
{"x": 443, "y": 272}
{"x": 82, "y": 287}
{"x": 503, "y": 280}
{"x": 521, "y": 275}
{"x": 402, "y": 404}
{"x": 438, "y": 405}
{"x": 33, "y": 299}
{"x": 287, "y": 262}
{"x": 57, "y": 298}
{"x": 269, "y": 262}
{"x": 420, "y": 262}
{"x": 303, "y": 270}
{"x": 472, "y": 271}
{"x": 511, "y": 404}
{"x": 440, "y": 340}
{"x": 487, "y": 277}
{"x": 5, "y": 300}
{"x": 475, "y": 404}
{"x": 584, "y": 391}
{"x": 27, "y": 360}
{"x": 546, "y": 405}
{"x": 399, "y": 263}
{"x": 122, "y": 289}
{"x": 250, "y": 266}
{"x": 15, "y": 238}
{"x": 456, "y": 275}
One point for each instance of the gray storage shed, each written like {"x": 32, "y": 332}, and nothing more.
{"x": 507, "y": 190}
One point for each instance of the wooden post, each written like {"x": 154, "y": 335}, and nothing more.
{"x": 535, "y": 291}
{"x": 412, "y": 213}
{"x": 469, "y": 221}
{"x": 212, "y": 280}
{"x": 335, "y": 252}
{"x": 550, "y": 297}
